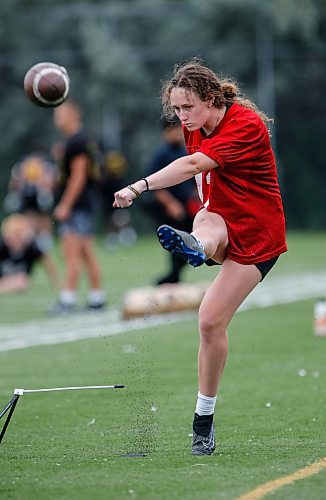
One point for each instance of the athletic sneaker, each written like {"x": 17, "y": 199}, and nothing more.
{"x": 99, "y": 306}
{"x": 170, "y": 278}
{"x": 182, "y": 244}
{"x": 62, "y": 308}
{"x": 203, "y": 441}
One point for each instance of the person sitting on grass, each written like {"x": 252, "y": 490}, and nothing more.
{"x": 241, "y": 224}
{"x": 19, "y": 253}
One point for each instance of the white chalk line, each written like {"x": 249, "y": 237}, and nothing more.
{"x": 69, "y": 328}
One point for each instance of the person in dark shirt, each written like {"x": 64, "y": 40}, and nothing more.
{"x": 176, "y": 205}
{"x": 75, "y": 210}
{"x": 18, "y": 255}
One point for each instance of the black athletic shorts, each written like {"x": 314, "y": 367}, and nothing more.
{"x": 263, "y": 267}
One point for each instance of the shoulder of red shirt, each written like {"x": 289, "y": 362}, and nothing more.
{"x": 235, "y": 111}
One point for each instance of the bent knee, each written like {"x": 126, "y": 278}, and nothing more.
{"x": 212, "y": 219}
{"x": 212, "y": 326}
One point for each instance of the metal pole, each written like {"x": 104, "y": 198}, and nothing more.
{"x": 21, "y": 392}
{"x": 12, "y": 406}
{"x": 6, "y": 408}
{"x": 265, "y": 68}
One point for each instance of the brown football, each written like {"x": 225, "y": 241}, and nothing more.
{"x": 47, "y": 84}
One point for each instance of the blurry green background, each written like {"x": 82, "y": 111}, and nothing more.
{"x": 68, "y": 446}
{"x": 118, "y": 52}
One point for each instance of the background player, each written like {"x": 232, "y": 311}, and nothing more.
{"x": 18, "y": 255}
{"x": 76, "y": 208}
{"x": 176, "y": 205}
{"x": 31, "y": 192}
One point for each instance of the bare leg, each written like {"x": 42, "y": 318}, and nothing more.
{"x": 72, "y": 253}
{"x": 211, "y": 230}
{"x": 90, "y": 260}
{"x": 229, "y": 289}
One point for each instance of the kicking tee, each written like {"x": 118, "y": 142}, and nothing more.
{"x": 243, "y": 188}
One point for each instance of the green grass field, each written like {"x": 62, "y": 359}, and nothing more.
{"x": 270, "y": 420}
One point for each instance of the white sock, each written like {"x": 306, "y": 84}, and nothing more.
{"x": 96, "y": 297}
{"x": 205, "y": 404}
{"x": 68, "y": 297}
{"x": 198, "y": 241}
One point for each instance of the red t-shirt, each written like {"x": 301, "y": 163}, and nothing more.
{"x": 243, "y": 188}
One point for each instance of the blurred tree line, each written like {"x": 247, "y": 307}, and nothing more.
{"x": 118, "y": 52}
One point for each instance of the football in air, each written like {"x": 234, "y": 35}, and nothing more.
{"x": 47, "y": 84}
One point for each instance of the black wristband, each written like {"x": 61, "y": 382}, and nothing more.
{"x": 134, "y": 190}
{"x": 146, "y": 182}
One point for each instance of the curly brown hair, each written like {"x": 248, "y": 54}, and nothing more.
{"x": 198, "y": 78}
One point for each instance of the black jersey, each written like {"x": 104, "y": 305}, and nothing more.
{"x": 75, "y": 145}
{"x": 18, "y": 262}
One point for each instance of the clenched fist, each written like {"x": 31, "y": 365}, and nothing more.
{"x": 124, "y": 198}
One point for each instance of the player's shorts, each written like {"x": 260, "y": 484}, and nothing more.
{"x": 264, "y": 267}
{"x": 80, "y": 222}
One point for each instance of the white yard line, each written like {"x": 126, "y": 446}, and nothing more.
{"x": 273, "y": 291}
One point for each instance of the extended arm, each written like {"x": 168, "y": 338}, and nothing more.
{"x": 178, "y": 171}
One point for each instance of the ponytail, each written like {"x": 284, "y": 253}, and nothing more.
{"x": 195, "y": 77}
